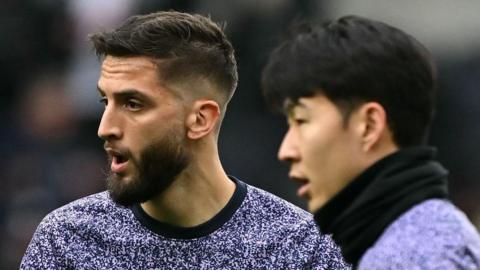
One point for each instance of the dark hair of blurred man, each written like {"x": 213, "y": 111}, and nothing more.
{"x": 359, "y": 96}
{"x": 166, "y": 79}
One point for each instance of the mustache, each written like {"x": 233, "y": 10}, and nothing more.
{"x": 116, "y": 150}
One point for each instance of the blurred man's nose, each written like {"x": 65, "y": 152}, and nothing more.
{"x": 109, "y": 128}
{"x": 288, "y": 151}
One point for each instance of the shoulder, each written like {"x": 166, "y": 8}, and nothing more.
{"x": 294, "y": 227}
{"x": 432, "y": 233}
{"x": 84, "y": 213}
{"x": 97, "y": 205}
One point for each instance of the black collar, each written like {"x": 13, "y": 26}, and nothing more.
{"x": 204, "y": 229}
{"x": 357, "y": 216}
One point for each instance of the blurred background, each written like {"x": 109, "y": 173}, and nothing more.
{"x": 50, "y": 113}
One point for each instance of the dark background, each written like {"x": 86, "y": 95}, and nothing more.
{"x": 49, "y": 110}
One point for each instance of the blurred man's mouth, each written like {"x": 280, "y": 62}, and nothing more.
{"x": 304, "y": 190}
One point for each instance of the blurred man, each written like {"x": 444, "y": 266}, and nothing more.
{"x": 166, "y": 79}
{"x": 359, "y": 98}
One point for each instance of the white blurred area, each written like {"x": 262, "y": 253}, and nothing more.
{"x": 450, "y": 29}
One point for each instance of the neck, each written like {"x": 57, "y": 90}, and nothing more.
{"x": 196, "y": 195}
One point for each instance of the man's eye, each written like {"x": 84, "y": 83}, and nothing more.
{"x": 300, "y": 121}
{"x": 133, "y": 105}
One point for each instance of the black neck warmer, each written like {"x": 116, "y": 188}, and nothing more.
{"x": 357, "y": 215}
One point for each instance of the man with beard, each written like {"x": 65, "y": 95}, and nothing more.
{"x": 166, "y": 79}
{"x": 359, "y": 99}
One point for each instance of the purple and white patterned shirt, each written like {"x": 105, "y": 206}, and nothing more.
{"x": 431, "y": 235}
{"x": 255, "y": 230}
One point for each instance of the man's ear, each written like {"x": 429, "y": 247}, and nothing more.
{"x": 202, "y": 119}
{"x": 373, "y": 125}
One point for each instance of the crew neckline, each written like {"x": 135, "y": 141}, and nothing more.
{"x": 204, "y": 229}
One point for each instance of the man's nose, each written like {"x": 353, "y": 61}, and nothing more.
{"x": 288, "y": 151}
{"x": 109, "y": 128}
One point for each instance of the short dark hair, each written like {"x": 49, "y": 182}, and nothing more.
{"x": 187, "y": 45}
{"x": 354, "y": 60}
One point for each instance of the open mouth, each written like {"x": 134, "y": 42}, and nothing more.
{"x": 304, "y": 189}
{"x": 119, "y": 162}
{"x": 119, "y": 159}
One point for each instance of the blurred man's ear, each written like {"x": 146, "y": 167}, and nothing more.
{"x": 202, "y": 119}
{"x": 373, "y": 128}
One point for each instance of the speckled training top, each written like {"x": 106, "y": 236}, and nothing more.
{"x": 432, "y": 235}
{"x": 255, "y": 230}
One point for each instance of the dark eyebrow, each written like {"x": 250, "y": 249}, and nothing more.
{"x": 125, "y": 93}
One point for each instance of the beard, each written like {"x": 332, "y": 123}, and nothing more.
{"x": 157, "y": 167}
